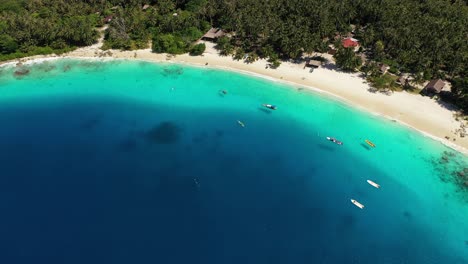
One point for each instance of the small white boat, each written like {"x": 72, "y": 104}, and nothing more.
{"x": 272, "y": 107}
{"x": 241, "y": 123}
{"x": 334, "y": 140}
{"x": 373, "y": 184}
{"x": 358, "y": 204}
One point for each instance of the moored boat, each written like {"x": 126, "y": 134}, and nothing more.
{"x": 334, "y": 140}
{"x": 370, "y": 143}
{"x": 272, "y": 107}
{"x": 358, "y": 204}
{"x": 240, "y": 123}
{"x": 373, "y": 184}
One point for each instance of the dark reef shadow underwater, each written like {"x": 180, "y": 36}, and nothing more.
{"x": 99, "y": 179}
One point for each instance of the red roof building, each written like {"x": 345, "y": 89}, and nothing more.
{"x": 350, "y": 43}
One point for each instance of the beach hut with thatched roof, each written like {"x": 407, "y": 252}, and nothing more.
{"x": 434, "y": 86}
{"x": 313, "y": 63}
{"x": 213, "y": 34}
{"x": 402, "y": 80}
{"x": 383, "y": 68}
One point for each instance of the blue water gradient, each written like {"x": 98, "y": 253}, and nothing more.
{"x": 131, "y": 162}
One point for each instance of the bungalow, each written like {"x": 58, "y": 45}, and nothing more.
{"x": 434, "y": 86}
{"x": 313, "y": 63}
{"x": 350, "y": 43}
{"x": 403, "y": 80}
{"x": 145, "y": 7}
{"x": 383, "y": 68}
{"x": 213, "y": 34}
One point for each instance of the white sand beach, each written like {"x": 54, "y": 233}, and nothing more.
{"x": 416, "y": 111}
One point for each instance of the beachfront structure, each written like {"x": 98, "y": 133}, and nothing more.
{"x": 331, "y": 49}
{"x": 383, "y": 68}
{"x": 434, "y": 86}
{"x": 313, "y": 63}
{"x": 403, "y": 80}
{"x": 350, "y": 43}
{"x": 213, "y": 34}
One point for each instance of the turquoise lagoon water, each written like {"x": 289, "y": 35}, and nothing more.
{"x": 133, "y": 162}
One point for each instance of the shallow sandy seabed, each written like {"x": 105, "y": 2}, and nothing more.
{"x": 421, "y": 113}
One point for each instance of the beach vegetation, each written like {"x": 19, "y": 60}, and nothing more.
{"x": 197, "y": 49}
{"x": 225, "y": 46}
{"x": 460, "y": 92}
{"x": 7, "y": 44}
{"x": 274, "y": 60}
{"x": 347, "y": 60}
{"x": 383, "y": 82}
{"x": 168, "y": 43}
{"x": 423, "y": 38}
{"x": 239, "y": 54}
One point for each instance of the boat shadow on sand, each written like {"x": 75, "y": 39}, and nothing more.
{"x": 326, "y": 147}
{"x": 265, "y": 110}
{"x": 365, "y": 146}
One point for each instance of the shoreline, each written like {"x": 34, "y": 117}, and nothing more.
{"x": 413, "y": 111}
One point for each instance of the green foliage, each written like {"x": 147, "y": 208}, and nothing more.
{"x": 274, "y": 60}
{"x": 379, "y": 50}
{"x": 168, "y": 43}
{"x": 190, "y": 34}
{"x": 7, "y": 44}
{"x": 224, "y": 45}
{"x": 128, "y": 30}
{"x": 251, "y": 57}
{"x": 347, "y": 60}
{"x": 195, "y": 5}
{"x": 198, "y": 49}
{"x": 460, "y": 92}
{"x": 11, "y": 5}
{"x": 33, "y": 52}
{"x": 381, "y": 82}
{"x": 239, "y": 54}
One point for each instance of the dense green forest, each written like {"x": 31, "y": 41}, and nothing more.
{"x": 427, "y": 38}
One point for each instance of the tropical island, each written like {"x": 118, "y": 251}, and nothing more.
{"x": 361, "y": 51}
{"x": 234, "y": 131}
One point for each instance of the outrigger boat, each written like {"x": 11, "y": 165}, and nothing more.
{"x": 334, "y": 140}
{"x": 373, "y": 184}
{"x": 272, "y": 107}
{"x": 370, "y": 143}
{"x": 240, "y": 123}
{"x": 358, "y": 204}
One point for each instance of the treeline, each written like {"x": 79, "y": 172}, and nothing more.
{"x": 425, "y": 38}
{"x": 41, "y": 27}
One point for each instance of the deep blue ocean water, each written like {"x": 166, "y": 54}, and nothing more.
{"x": 129, "y": 162}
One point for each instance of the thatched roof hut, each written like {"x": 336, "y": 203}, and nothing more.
{"x": 435, "y": 86}
{"x": 403, "y": 80}
{"x": 213, "y": 34}
{"x": 313, "y": 63}
{"x": 383, "y": 68}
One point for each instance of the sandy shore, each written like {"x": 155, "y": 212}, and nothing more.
{"x": 421, "y": 113}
